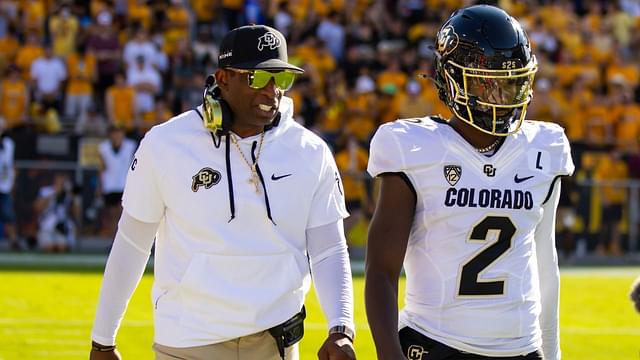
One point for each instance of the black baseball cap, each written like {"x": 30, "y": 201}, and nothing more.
{"x": 255, "y": 47}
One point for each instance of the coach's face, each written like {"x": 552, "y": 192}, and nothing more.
{"x": 252, "y": 108}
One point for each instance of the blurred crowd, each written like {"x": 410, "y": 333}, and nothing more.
{"x": 82, "y": 67}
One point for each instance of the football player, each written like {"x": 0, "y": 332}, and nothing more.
{"x": 468, "y": 205}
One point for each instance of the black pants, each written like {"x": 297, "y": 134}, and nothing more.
{"x": 419, "y": 347}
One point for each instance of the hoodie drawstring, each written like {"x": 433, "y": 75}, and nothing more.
{"x": 232, "y": 205}
{"x": 216, "y": 144}
{"x": 264, "y": 187}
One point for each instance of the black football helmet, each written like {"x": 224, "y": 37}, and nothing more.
{"x": 484, "y": 68}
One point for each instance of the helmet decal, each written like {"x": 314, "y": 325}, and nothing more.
{"x": 447, "y": 40}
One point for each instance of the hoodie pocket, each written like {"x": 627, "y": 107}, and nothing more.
{"x": 230, "y": 295}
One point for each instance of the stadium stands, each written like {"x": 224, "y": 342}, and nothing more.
{"x": 71, "y": 68}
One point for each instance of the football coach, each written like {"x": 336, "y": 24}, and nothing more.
{"x": 244, "y": 205}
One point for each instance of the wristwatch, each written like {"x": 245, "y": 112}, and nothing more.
{"x": 344, "y": 330}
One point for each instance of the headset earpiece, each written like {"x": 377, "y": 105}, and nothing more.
{"x": 217, "y": 115}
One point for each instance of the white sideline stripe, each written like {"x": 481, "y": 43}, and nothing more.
{"x": 600, "y": 331}
{"x": 357, "y": 267}
{"x": 45, "y": 354}
{"x": 132, "y": 323}
{"x": 596, "y": 272}
{"x": 47, "y": 260}
{"x": 41, "y": 341}
{"x": 89, "y": 260}
{"x": 49, "y": 353}
{"x": 65, "y": 323}
{"x": 308, "y": 325}
{"x": 39, "y": 330}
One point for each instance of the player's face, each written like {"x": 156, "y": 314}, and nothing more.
{"x": 499, "y": 91}
{"x": 252, "y": 108}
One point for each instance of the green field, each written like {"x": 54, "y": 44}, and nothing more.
{"x": 47, "y": 314}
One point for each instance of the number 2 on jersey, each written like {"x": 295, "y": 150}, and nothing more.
{"x": 469, "y": 284}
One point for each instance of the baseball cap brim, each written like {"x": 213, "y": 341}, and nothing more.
{"x": 271, "y": 64}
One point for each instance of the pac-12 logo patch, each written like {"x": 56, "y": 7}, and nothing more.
{"x": 452, "y": 174}
{"x": 415, "y": 352}
{"x": 206, "y": 177}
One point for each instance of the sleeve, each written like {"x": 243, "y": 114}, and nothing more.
{"x": 553, "y": 148}
{"x": 142, "y": 197}
{"x": 549, "y": 275}
{"x": 327, "y": 205}
{"x": 125, "y": 266}
{"x": 331, "y": 270}
{"x": 385, "y": 154}
{"x": 566, "y": 167}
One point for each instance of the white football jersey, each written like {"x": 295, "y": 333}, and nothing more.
{"x": 472, "y": 279}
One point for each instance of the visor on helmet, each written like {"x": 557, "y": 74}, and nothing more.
{"x": 492, "y": 99}
{"x": 500, "y": 90}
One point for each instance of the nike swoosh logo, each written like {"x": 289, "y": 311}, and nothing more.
{"x": 274, "y": 177}
{"x": 519, "y": 180}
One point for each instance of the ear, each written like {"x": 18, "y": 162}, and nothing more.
{"x": 222, "y": 79}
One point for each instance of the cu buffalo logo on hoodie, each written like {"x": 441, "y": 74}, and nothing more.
{"x": 206, "y": 177}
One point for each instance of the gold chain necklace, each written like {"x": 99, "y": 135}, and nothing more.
{"x": 488, "y": 148}
{"x": 254, "y": 179}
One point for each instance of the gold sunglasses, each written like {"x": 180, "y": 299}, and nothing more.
{"x": 259, "y": 78}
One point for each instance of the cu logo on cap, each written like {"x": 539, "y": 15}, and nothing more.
{"x": 269, "y": 40}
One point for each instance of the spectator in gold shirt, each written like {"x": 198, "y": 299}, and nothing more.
{"x": 14, "y": 98}
{"x": 120, "y": 103}
{"x": 613, "y": 197}
{"x": 63, "y": 27}
{"x": 28, "y": 53}
{"x": 81, "y": 66}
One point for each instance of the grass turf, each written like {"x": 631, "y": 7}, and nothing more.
{"x": 48, "y": 314}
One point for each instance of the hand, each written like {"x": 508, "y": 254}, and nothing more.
{"x": 106, "y": 355}
{"x": 337, "y": 347}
